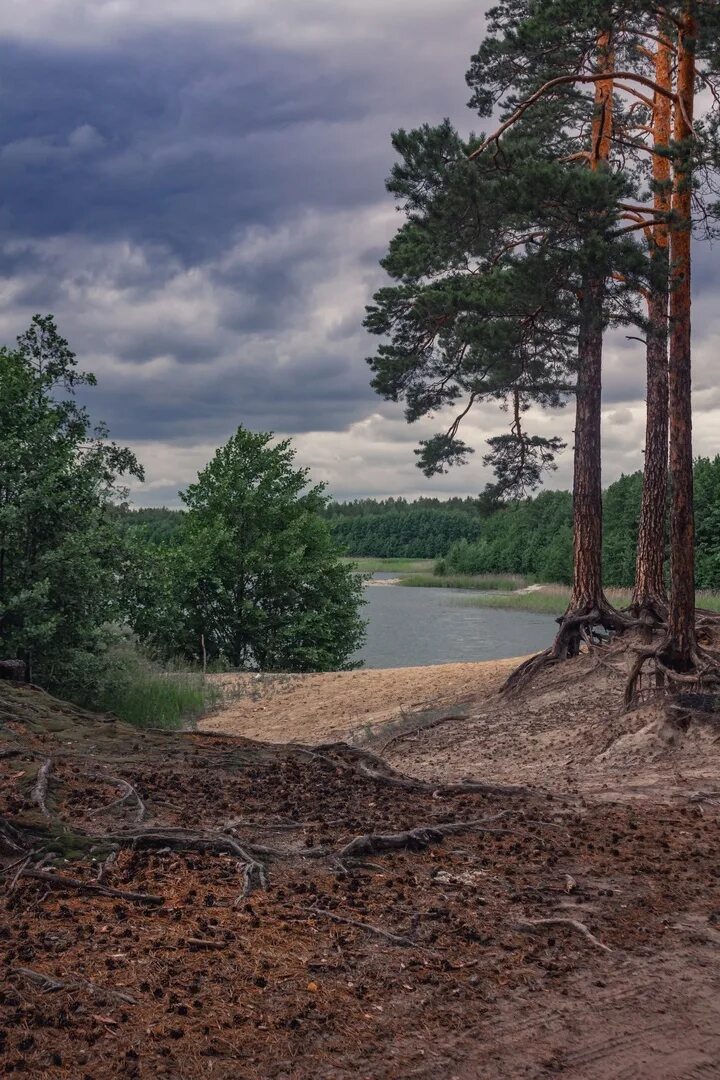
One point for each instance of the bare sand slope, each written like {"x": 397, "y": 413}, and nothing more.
{"x": 313, "y": 708}
{"x": 568, "y": 731}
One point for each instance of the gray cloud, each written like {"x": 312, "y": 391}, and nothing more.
{"x": 196, "y": 191}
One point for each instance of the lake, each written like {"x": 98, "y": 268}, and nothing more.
{"x": 409, "y": 627}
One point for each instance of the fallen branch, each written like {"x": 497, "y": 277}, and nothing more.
{"x": 416, "y": 839}
{"x": 49, "y": 982}
{"x": 39, "y": 791}
{"x": 376, "y": 768}
{"x": 396, "y": 939}
{"x": 59, "y": 881}
{"x": 533, "y": 926}
{"x": 204, "y": 943}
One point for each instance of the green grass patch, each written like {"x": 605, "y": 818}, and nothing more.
{"x": 490, "y": 582}
{"x": 548, "y": 601}
{"x": 369, "y": 565}
{"x": 553, "y": 599}
{"x": 150, "y": 695}
{"x": 162, "y": 700}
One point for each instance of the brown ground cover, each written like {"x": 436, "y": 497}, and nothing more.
{"x": 423, "y": 956}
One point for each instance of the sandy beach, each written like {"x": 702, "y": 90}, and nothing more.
{"x": 313, "y": 708}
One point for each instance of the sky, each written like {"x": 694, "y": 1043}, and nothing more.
{"x": 195, "y": 189}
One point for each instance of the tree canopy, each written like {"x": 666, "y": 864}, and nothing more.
{"x": 255, "y": 579}
{"x": 63, "y": 564}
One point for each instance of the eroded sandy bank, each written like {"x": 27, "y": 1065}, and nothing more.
{"x": 312, "y": 708}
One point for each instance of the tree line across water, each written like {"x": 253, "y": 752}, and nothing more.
{"x": 531, "y": 537}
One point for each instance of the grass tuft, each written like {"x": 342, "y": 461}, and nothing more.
{"x": 155, "y": 699}
{"x": 490, "y": 582}
{"x": 149, "y": 695}
{"x": 553, "y": 599}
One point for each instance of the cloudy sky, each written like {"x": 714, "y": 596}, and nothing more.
{"x": 195, "y": 188}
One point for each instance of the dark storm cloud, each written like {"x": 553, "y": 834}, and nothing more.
{"x": 173, "y": 138}
{"x": 201, "y": 204}
{"x": 185, "y": 200}
{"x": 314, "y": 394}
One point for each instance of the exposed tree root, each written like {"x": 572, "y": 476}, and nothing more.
{"x": 11, "y": 837}
{"x": 105, "y": 865}
{"x": 49, "y": 982}
{"x": 396, "y": 939}
{"x": 39, "y": 791}
{"x": 650, "y": 610}
{"x": 129, "y": 792}
{"x": 533, "y": 926}
{"x": 376, "y": 768}
{"x": 578, "y": 626}
{"x": 187, "y": 840}
{"x": 59, "y": 881}
{"x": 703, "y": 672}
{"x": 418, "y": 728}
{"x": 267, "y": 826}
{"x": 417, "y": 839}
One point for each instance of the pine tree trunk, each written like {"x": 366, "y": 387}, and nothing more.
{"x": 587, "y": 475}
{"x": 649, "y": 601}
{"x": 587, "y": 596}
{"x": 681, "y": 646}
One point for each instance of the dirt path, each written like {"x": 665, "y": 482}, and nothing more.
{"x": 314, "y": 708}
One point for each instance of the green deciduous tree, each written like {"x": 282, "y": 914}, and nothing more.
{"x": 63, "y": 565}
{"x": 255, "y": 580}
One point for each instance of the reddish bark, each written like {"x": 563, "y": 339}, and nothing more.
{"x": 649, "y": 599}
{"x": 587, "y": 596}
{"x": 680, "y": 649}
{"x": 587, "y": 486}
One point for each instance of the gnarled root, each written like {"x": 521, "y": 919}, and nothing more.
{"x": 418, "y": 838}
{"x": 701, "y": 674}
{"x": 578, "y": 626}
{"x": 650, "y": 610}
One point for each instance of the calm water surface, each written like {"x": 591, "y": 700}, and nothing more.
{"x": 410, "y": 627}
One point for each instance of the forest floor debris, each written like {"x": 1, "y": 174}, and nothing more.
{"x": 473, "y": 945}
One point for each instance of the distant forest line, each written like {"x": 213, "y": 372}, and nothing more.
{"x": 532, "y": 537}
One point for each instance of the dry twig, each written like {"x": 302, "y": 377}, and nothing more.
{"x": 533, "y": 926}
{"x": 49, "y": 982}
{"x": 396, "y": 939}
